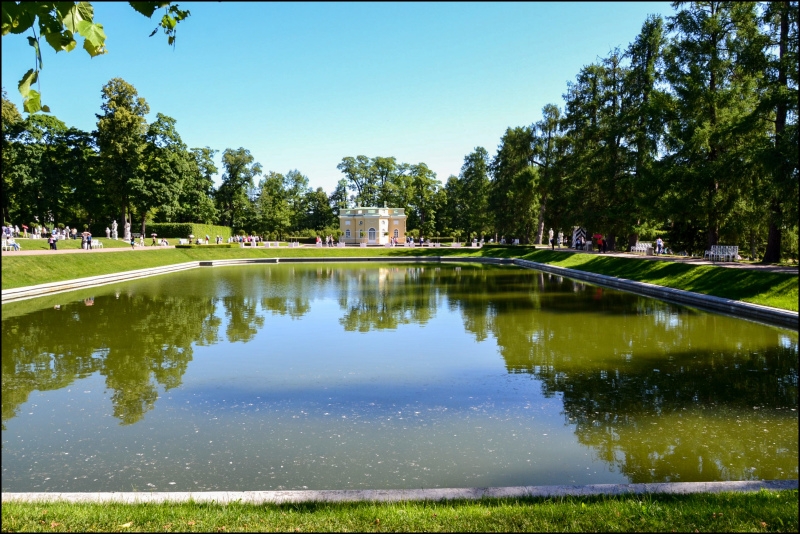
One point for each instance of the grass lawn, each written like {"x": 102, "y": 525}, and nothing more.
{"x": 769, "y": 289}
{"x": 764, "y": 511}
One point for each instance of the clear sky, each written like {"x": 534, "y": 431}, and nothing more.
{"x": 302, "y": 85}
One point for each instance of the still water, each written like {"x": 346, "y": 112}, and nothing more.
{"x": 351, "y": 376}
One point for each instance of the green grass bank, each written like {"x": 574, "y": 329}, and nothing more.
{"x": 763, "y": 511}
{"x": 777, "y": 290}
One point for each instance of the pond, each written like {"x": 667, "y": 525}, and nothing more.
{"x": 365, "y": 376}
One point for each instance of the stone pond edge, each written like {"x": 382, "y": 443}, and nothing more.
{"x": 432, "y": 494}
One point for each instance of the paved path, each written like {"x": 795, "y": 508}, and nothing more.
{"x": 677, "y": 259}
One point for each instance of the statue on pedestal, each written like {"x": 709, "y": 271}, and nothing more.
{"x": 108, "y": 232}
{"x": 127, "y": 231}
{"x": 114, "y": 234}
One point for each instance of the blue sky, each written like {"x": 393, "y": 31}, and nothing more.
{"x": 302, "y": 85}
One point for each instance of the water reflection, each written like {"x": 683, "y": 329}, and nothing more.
{"x": 656, "y": 391}
{"x": 137, "y": 342}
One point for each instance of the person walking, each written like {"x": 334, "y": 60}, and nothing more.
{"x": 133, "y": 242}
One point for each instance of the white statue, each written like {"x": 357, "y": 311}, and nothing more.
{"x": 108, "y": 232}
{"x": 560, "y": 238}
{"x": 127, "y": 231}
{"x": 550, "y": 234}
{"x": 114, "y": 229}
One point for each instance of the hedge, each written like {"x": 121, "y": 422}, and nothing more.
{"x": 184, "y": 230}
{"x": 168, "y": 230}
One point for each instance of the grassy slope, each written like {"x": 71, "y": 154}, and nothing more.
{"x": 724, "y": 512}
{"x": 769, "y": 289}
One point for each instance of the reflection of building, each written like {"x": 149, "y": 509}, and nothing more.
{"x": 372, "y": 225}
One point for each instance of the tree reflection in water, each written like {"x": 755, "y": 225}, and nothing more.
{"x": 658, "y": 392}
{"x": 137, "y": 342}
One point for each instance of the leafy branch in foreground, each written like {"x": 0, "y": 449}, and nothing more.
{"x": 59, "y": 23}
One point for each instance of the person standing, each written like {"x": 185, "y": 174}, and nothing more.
{"x": 133, "y": 242}
{"x": 604, "y": 243}
{"x": 550, "y": 236}
{"x": 659, "y": 246}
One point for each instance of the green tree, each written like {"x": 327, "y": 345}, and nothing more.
{"x": 319, "y": 214}
{"x": 513, "y": 196}
{"x": 273, "y": 212}
{"x": 474, "y": 217}
{"x": 196, "y": 200}
{"x": 120, "y": 138}
{"x": 712, "y": 93}
{"x": 231, "y": 197}
{"x": 546, "y": 142}
{"x": 295, "y": 188}
{"x": 643, "y": 117}
{"x": 12, "y": 127}
{"x": 59, "y": 23}
{"x": 165, "y": 168}
{"x": 780, "y": 100}
{"x": 338, "y": 199}
{"x": 361, "y": 179}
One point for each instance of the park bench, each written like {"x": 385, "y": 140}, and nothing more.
{"x": 96, "y": 244}
{"x": 8, "y": 246}
{"x": 642, "y": 247}
{"x": 455, "y": 245}
{"x": 722, "y": 253}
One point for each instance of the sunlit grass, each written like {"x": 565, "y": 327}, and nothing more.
{"x": 764, "y": 511}
{"x": 778, "y": 290}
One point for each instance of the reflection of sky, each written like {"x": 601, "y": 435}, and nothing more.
{"x": 290, "y": 352}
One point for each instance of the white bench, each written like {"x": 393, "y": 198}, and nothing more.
{"x": 722, "y": 253}
{"x": 7, "y": 246}
{"x": 97, "y": 244}
{"x": 183, "y": 241}
{"x": 341, "y": 244}
{"x": 642, "y": 247}
{"x": 455, "y": 245}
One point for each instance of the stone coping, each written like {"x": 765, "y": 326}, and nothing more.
{"x": 737, "y": 308}
{"x": 776, "y": 316}
{"x": 433, "y": 494}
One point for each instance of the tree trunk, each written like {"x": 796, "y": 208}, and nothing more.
{"x": 540, "y": 232}
{"x": 612, "y": 242}
{"x": 773, "y": 252}
{"x": 632, "y": 240}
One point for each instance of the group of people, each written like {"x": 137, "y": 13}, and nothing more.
{"x": 329, "y": 241}
{"x": 11, "y": 231}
